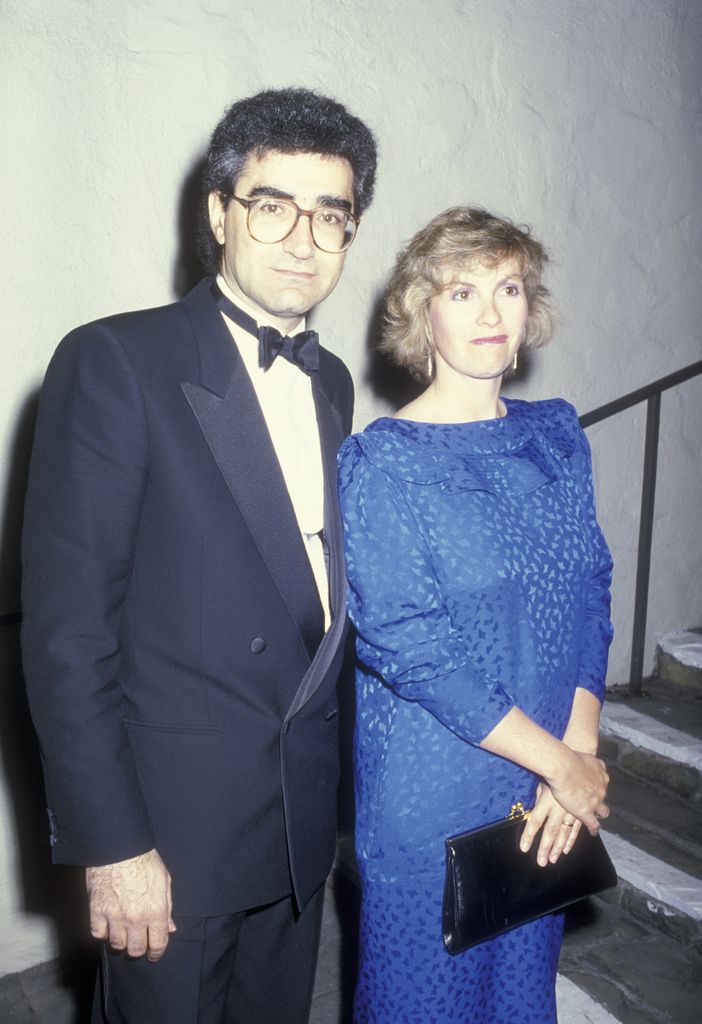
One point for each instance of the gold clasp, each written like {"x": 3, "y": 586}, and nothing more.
{"x": 517, "y": 811}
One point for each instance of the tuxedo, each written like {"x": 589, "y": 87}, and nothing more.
{"x": 180, "y": 680}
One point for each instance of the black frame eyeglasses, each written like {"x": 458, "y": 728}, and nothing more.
{"x": 268, "y": 221}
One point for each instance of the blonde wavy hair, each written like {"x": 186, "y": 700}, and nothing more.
{"x": 458, "y": 238}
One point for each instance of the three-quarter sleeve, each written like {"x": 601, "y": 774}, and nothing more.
{"x": 405, "y": 633}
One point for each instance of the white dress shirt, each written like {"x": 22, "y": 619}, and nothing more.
{"x": 284, "y": 393}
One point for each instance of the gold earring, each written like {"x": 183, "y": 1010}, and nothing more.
{"x": 515, "y": 361}
{"x": 430, "y": 366}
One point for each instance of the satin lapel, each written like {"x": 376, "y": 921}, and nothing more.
{"x": 238, "y": 438}
{"x": 331, "y": 434}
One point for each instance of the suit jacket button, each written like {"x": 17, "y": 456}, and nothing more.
{"x": 257, "y": 645}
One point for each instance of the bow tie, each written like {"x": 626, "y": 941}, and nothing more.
{"x": 302, "y": 348}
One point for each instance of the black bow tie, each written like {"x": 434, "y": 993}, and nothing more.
{"x": 302, "y": 349}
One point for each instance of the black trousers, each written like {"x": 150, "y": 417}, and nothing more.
{"x": 254, "y": 967}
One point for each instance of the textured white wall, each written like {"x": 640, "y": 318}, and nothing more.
{"x": 579, "y": 117}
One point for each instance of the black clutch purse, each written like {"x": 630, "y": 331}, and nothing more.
{"x": 491, "y": 886}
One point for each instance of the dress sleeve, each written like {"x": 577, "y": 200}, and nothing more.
{"x": 597, "y": 629}
{"x": 405, "y": 635}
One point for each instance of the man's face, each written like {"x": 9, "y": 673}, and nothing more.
{"x": 283, "y": 279}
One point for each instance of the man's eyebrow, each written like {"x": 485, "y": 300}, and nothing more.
{"x": 338, "y": 201}
{"x": 269, "y": 190}
{"x": 278, "y": 193}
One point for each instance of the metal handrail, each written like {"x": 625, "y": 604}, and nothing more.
{"x": 651, "y": 394}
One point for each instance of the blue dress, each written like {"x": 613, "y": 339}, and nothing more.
{"x": 479, "y": 580}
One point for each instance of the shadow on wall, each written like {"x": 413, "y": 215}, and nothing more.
{"x": 56, "y": 893}
{"x": 389, "y": 383}
{"x": 17, "y": 740}
{"x": 521, "y": 376}
{"x": 20, "y": 448}
{"x": 187, "y": 269}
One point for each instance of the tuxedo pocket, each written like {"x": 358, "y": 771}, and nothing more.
{"x": 173, "y": 727}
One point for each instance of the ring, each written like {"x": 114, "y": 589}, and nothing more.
{"x": 564, "y": 824}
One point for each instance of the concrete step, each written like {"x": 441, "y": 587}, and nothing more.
{"x": 679, "y": 659}
{"x": 656, "y": 893}
{"x": 654, "y": 833}
{"x": 639, "y": 736}
{"x": 629, "y": 970}
{"x": 661, "y": 824}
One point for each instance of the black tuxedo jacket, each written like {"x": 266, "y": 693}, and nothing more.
{"x": 171, "y": 622}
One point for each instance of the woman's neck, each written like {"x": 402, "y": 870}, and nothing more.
{"x": 465, "y": 401}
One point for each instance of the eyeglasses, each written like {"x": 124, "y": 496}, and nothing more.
{"x": 269, "y": 220}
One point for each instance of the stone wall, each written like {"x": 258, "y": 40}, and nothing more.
{"x": 579, "y": 117}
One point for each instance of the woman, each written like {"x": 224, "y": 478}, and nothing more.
{"x": 479, "y": 589}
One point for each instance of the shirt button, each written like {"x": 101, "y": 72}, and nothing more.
{"x": 257, "y": 645}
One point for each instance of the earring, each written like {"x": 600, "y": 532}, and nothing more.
{"x": 515, "y": 361}
{"x": 430, "y": 366}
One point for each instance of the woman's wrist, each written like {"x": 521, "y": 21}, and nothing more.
{"x": 584, "y": 741}
{"x": 582, "y": 731}
{"x": 558, "y": 764}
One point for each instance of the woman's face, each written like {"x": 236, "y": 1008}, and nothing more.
{"x": 478, "y": 320}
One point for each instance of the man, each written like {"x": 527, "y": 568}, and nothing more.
{"x": 184, "y": 595}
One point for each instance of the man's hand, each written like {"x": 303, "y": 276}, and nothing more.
{"x": 130, "y": 904}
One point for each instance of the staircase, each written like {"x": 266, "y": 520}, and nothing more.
{"x": 637, "y": 951}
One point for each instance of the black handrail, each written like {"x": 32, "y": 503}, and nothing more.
{"x": 641, "y": 395}
{"x": 651, "y": 394}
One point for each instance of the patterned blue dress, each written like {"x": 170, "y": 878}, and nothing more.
{"x": 479, "y": 580}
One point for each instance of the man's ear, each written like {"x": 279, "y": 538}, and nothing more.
{"x": 217, "y": 214}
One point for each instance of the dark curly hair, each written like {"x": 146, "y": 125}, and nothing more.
{"x": 285, "y": 121}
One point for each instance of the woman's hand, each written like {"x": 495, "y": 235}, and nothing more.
{"x": 579, "y": 784}
{"x": 559, "y": 829}
{"x": 578, "y": 781}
